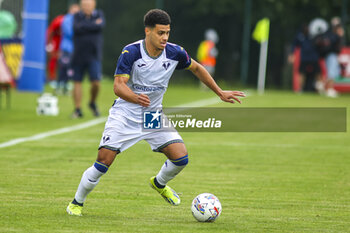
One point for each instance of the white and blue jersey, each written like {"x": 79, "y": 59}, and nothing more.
{"x": 147, "y": 75}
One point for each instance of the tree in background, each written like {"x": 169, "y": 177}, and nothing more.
{"x": 192, "y": 17}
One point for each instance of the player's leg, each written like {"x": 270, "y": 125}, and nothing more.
{"x": 176, "y": 162}
{"x": 95, "y": 87}
{"x": 333, "y": 72}
{"x": 77, "y": 89}
{"x": 77, "y": 95}
{"x": 113, "y": 141}
{"x": 67, "y": 72}
{"x": 95, "y": 77}
{"x": 92, "y": 175}
{"x": 62, "y": 72}
{"x": 52, "y": 66}
{"x": 90, "y": 179}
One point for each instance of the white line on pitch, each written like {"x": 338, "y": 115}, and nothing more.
{"x": 54, "y": 132}
{"x": 91, "y": 123}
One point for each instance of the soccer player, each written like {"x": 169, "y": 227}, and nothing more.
{"x": 141, "y": 78}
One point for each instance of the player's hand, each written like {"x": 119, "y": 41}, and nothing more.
{"x": 98, "y": 21}
{"x": 143, "y": 100}
{"x": 232, "y": 96}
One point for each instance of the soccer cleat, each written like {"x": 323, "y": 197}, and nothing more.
{"x": 77, "y": 114}
{"x": 94, "y": 109}
{"x": 331, "y": 93}
{"x": 167, "y": 193}
{"x": 73, "y": 209}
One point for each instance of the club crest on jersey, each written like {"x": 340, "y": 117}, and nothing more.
{"x": 106, "y": 138}
{"x": 152, "y": 120}
{"x": 166, "y": 65}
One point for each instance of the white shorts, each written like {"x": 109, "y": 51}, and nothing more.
{"x": 121, "y": 133}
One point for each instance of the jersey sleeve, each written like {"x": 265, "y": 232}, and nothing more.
{"x": 183, "y": 58}
{"x": 126, "y": 60}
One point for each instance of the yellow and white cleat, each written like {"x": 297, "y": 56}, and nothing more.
{"x": 167, "y": 193}
{"x": 73, "y": 209}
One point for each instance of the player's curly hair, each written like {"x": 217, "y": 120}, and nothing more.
{"x": 156, "y": 16}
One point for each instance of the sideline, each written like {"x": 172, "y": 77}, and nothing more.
{"x": 88, "y": 124}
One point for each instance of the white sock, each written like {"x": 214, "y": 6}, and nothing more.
{"x": 89, "y": 180}
{"x": 168, "y": 171}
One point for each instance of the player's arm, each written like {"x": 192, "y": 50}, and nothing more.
{"x": 203, "y": 75}
{"x": 123, "y": 91}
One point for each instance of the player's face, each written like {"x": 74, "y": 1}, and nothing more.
{"x": 158, "y": 36}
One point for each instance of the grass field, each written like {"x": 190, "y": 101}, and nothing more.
{"x": 266, "y": 182}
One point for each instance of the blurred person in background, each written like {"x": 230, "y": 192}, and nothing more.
{"x": 309, "y": 67}
{"x": 65, "y": 71}
{"x": 87, "y": 54}
{"x": 53, "y": 41}
{"x": 332, "y": 44}
{"x": 207, "y": 53}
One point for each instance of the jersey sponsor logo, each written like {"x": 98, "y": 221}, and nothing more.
{"x": 125, "y": 51}
{"x": 148, "y": 89}
{"x": 166, "y": 65}
{"x": 152, "y": 119}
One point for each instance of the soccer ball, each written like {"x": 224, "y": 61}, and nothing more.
{"x": 206, "y": 207}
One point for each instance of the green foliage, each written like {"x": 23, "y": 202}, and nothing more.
{"x": 192, "y": 17}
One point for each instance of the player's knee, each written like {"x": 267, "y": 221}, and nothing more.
{"x": 183, "y": 161}
{"x": 106, "y": 156}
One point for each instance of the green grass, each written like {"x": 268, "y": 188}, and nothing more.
{"x": 267, "y": 182}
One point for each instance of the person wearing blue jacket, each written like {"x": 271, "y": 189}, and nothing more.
{"x": 65, "y": 71}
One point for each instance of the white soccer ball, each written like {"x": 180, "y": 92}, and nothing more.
{"x": 206, "y": 207}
